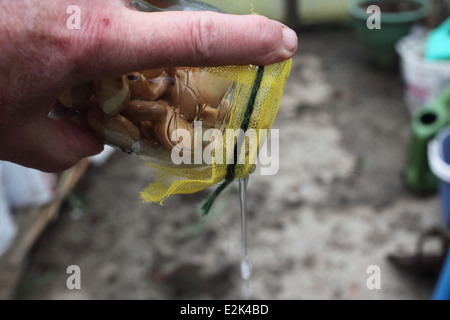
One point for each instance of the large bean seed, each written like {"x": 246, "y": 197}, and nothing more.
{"x": 185, "y": 94}
{"x": 213, "y": 88}
{"x": 141, "y": 110}
{"x": 152, "y": 73}
{"x": 146, "y": 129}
{"x": 158, "y": 86}
{"x": 76, "y": 96}
{"x": 139, "y": 86}
{"x": 148, "y": 134}
{"x": 112, "y": 94}
{"x": 165, "y": 128}
{"x": 116, "y": 130}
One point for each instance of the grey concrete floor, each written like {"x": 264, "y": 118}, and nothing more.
{"x": 337, "y": 206}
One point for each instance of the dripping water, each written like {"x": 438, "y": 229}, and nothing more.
{"x": 246, "y": 270}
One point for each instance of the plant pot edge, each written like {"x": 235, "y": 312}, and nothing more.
{"x": 391, "y": 17}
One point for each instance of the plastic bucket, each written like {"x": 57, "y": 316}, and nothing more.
{"x": 439, "y": 161}
{"x": 425, "y": 80}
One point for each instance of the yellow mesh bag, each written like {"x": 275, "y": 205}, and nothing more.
{"x": 257, "y": 96}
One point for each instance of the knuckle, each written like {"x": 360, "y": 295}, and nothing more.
{"x": 268, "y": 40}
{"x": 266, "y": 33}
{"x": 100, "y": 29}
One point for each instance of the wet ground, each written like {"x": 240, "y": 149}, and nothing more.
{"x": 337, "y": 206}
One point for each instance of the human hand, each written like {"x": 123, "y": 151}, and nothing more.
{"x": 41, "y": 57}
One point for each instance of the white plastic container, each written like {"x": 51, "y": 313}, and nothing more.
{"x": 439, "y": 161}
{"x": 425, "y": 80}
{"x": 8, "y": 228}
{"x": 25, "y": 187}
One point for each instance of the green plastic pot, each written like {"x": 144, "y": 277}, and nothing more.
{"x": 426, "y": 122}
{"x": 380, "y": 43}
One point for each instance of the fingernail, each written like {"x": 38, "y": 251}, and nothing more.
{"x": 290, "y": 40}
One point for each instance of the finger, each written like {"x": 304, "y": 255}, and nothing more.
{"x": 124, "y": 40}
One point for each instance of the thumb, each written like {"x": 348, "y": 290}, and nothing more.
{"x": 47, "y": 144}
{"x": 124, "y": 40}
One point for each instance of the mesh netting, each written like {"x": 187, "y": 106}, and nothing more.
{"x": 265, "y": 94}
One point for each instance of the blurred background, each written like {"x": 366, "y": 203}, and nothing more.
{"x": 362, "y": 183}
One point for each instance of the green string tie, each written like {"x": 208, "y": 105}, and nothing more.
{"x": 231, "y": 168}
